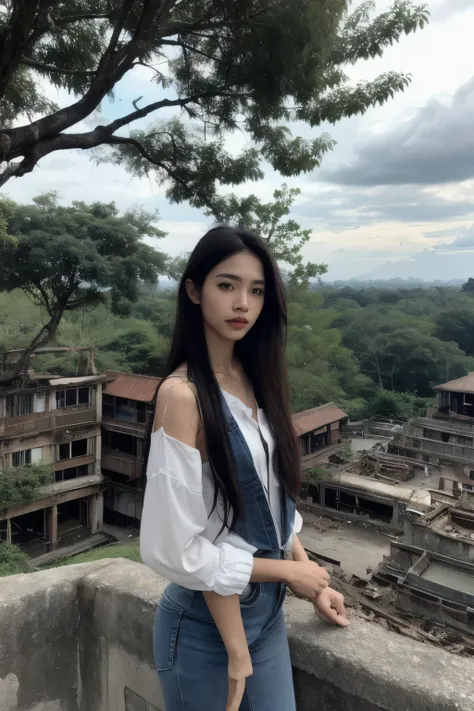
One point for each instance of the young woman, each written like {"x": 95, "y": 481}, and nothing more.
{"x": 219, "y": 516}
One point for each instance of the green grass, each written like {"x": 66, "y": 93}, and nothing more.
{"x": 128, "y": 550}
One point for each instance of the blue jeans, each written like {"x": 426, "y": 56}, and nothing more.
{"x": 192, "y": 661}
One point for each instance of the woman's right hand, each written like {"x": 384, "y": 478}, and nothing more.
{"x": 306, "y": 578}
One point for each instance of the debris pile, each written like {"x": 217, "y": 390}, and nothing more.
{"x": 387, "y": 467}
{"x": 379, "y": 603}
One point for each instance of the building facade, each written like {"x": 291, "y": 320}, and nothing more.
{"x": 55, "y": 421}
{"x": 433, "y": 566}
{"x": 318, "y": 429}
{"x": 446, "y": 436}
{"x": 128, "y": 407}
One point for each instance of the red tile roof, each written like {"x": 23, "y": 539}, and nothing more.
{"x": 131, "y": 387}
{"x": 311, "y": 420}
{"x": 461, "y": 385}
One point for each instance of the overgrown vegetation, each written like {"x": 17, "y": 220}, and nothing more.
{"x": 324, "y": 356}
{"x": 130, "y": 551}
{"x": 21, "y": 485}
{"x": 13, "y": 560}
{"x": 319, "y": 474}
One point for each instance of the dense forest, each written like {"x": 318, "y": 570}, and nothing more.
{"x": 370, "y": 350}
{"x": 83, "y": 275}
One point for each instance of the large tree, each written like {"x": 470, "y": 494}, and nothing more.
{"x": 69, "y": 258}
{"x": 253, "y": 65}
{"x": 284, "y": 236}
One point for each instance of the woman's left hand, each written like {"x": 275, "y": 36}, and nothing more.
{"x": 329, "y": 606}
{"x": 239, "y": 668}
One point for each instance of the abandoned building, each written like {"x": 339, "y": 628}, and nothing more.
{"x": 349, "y": 496}
{"x": 446, "y": 436}
{"x": 433, "y": 567}
{"x": 56, "y": 421}
{"x": 127, "y": 412}
{"x": 318, "y": 429}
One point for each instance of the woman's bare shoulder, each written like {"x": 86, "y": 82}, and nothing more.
{"x": 176, "y": 407}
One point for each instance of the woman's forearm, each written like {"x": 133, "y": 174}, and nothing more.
{"x": 226, "y": 613}
{"x": 266, "y": 570}
{"x": 299, "y": 552}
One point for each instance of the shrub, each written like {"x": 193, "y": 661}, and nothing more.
{"x": 13, "y": 560}
{"x": 21, "y": 485}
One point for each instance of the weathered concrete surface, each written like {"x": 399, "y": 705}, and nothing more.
{"x": 79, "y": 638}
{"x": 355, "y": 547}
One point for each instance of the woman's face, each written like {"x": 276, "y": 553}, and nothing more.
{"x": 232, "y": 296}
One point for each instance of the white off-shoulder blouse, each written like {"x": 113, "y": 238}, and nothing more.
{"x": 179, "y": 536}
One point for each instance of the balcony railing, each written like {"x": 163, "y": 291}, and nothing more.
{"x": 121, "y": 463}
{"x": 428, "y": 446}
{"x": 36, "y": 423}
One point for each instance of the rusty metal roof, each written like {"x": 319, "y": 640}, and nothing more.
{"x": 131, "y": 387}
{"x": 311, "y": 420}
{"x": 461, "y": 385}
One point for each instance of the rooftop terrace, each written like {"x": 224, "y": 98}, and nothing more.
{"x": 79, "y": 638}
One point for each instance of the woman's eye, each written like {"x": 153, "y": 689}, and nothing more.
{"x": 257, "y": 291}
{"x": 225, "y": 286}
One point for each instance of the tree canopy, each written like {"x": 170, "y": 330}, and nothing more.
{"x": 223, "y": 65}
{"x": 285, "y": 237}
{"x": 70, "y": 258}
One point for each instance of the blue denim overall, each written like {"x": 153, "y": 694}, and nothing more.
{"x": 190, "y": 656}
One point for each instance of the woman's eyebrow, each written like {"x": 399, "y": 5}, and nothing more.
{"x": 234, "y": 277}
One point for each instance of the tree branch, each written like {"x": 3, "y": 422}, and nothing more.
{"x": 78, "y": 18}
{"x": 190, "y": 48}
{"x": 123, "y": 140}
{"x": 24, "y": 22}
{"x": 58, "y": 70}
{"x": 164, "y": 103}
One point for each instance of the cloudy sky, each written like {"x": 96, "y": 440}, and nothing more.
{"x": 395, "y": 198}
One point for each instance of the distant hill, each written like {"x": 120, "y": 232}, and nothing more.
{"x": 396, "y": 283}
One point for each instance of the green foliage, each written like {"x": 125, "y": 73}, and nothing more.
{"x": 13, "y": 560}
{"x": 21, "y": 485}
{"x": 395, "y": 339}
{"x": 66, "y": 257}
{"x": 139, "y": 346}
{"x": 319, "y": 474}
{"x": 229, "y": 64}
{"x": 328, "y": 330}
{"x": 347, "y": 452}
{"x": 468, "y": 287}
{"x": 401, "y": 406}
{"x": 70, "y": 258}
{"x": 130, "y": 551}
{"x": 286, "y": 238}
{"x": 456, "y": 323}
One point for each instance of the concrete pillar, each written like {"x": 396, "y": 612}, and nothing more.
{"x": 98, "y": 454}
{"x": 53, "y": 526}
{"x": 96, "y": 512}
{"x": 9, "y": 530}
{"x": 98, "y": 403}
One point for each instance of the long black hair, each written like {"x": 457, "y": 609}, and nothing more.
{"x": 261, "y": 353}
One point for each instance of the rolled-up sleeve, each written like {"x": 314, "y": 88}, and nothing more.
{"x": 298, "y": 523}
{"x": 297, "y": 526}
{"x": 174, "y": 517}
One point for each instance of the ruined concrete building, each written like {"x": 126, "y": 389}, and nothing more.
{"x": 128, "y": 407}
{"x": 446, "y": 436}
{"x": 433, "y": 566}
{"x": 93, "y": 431}
{"x": 56, "y": 421}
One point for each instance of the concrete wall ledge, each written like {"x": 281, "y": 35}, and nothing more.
{"x": 79, "y": 638}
